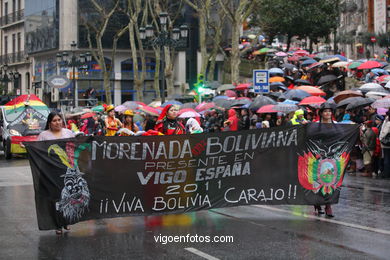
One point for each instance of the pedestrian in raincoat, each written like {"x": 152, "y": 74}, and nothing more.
{"x": 299, "y": 118}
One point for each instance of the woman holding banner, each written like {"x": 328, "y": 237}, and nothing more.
{"x": 326, "y": 117}
{"x": 167, "y": 122}
{"x": 55, "y": 130}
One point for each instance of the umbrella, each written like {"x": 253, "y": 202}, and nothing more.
{"x": 383, "y": 78}
{"x": 290, "y": 102}
{"x": 131, "y": 105}
{"x": 369, "y": 65}
{"x": 308, "y": 62}
{"x": 276, "y": 79}
{"x": 213, "y": 84}
{"x": 172, "y": 102}
{"x": 296, "y": 94}
{"x": 285, "y": 108}
{"x": 371, "y": 87}
{"x": 155, "y": 104}
{"x": 288, "y": 66}
{"x": 189, "y": 105}
{"x": 304, "y": 58}
{"x": 241, "y": 102}
{"x": 387, "y": 86}
{"x": 281, "y": 54}
{"x": 360, "y": 102}
{"x": 274, "y": 71}
{"x": 261, "y": 101}
{"x": 381, "y": 103}
{"x": 293, "y": 58}
{"x": 277, "y": 86}
{"x": 314, "y": 91}
{"x": 121, "y": 108}
{"x": 301, "y": 53}
{"x": 150, "y": 110}
{"x": 189, "y": 114}
{"x": 354, "y": 65}
{"x": 302, "y": 82}
{"x": 376, "y": 94}
{"x": 330, "y": 59}
{"x": 243, "y": 86}
{"x": 225, "y": 87}
{"x": 220, "y": 97}
{"x": 205, "y": 106}
{"x": 224, "y": 103}
{"x": 380, "y": 71}
{"x": 98, "y": 109}
{"x": 312, "y": 101}
{"x": 326, "y": 79}
{"x": 88, "y": 115}
{"x": 315, "y": 65}
{"x": 266, "y": 109}
{"x": 340, "y": 64}
{"x": 346, "y": 94}
{"x": 274, "y": 95}
{"x": 230, "y": 93}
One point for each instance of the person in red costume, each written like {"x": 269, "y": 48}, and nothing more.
{"x": 232, "y": 123}
{"x": 167, "y": 122}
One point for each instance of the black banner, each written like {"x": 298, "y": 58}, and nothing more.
{"x": 102, "y": 177}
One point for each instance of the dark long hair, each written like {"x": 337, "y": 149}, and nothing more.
{"x": 50, "y": 118}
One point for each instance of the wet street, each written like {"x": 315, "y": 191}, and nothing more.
{"x": 359, "y": 230}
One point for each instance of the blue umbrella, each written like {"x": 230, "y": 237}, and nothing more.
{"x": 290, "y": 102}
{"x": 308, "y": 62}
{"x": 172, "y": 102}
{"x": 220, "y": 97}
{"x": 341, "y": 57}
{"x": 296, "y": 94}
{"x": 275, "y": 71}
{"x": 380, "y": 71}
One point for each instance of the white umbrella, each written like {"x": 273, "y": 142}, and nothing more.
{"x": 381, "y": 103}
{"x": 371, "y": 87}
{"x": 189, "y": 114}
{"x": 340, "y": 64}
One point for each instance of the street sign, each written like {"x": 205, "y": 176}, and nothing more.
{"x": 373, "y": 39}
{"x": 58, "y": 81}
{"x": 260, "y": 81}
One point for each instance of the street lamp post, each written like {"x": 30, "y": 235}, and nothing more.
{"x": 73, "y": 62}
{"x": 162, "y": 39}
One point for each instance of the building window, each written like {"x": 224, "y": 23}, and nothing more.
{"x": 19, "y": 42}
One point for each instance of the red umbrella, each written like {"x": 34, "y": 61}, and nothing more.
{"x": 301, "y": 53}
{"x": 140, "y": 103}
{"x": 243, "y": 86}
{"x": 240, "y": 98}
{"x": 266, "y": 109}
{"x": 369, "y": 65}
{"x": 293, "y": 58}
{"x": 313, "y": 100}
{"x": 150, "y": 110}
{"x": 181, "y": 111}
{"x": 314, "y": 91}
{"x": 383, "y": 78}
{"x": 230, "y": 93}
{"x": 87, "y": 115}
{"x": 204, "y": 106}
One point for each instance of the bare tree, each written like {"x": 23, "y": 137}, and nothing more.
{"x": 237, "y": 12}
{"x": 98, "y": 26}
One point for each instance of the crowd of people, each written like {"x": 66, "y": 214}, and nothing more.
{"x": 293, "y": 83}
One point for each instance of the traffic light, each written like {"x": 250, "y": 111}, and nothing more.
{"x": 199, "y": 85}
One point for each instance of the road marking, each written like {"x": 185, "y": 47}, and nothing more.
{"x": 377, "y": 230}
{"x": 200, "y": 253}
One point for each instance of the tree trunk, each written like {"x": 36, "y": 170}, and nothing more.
{"x": 235, "y": 53}
{"x": 288, "y": 42}
{"x": 156, "y": 84}
{"x": 202, "y": 42}
{"x": 134, "y": 56}
{"x": 214, "y": 53}
{"x": 168, "y": 71}
{"x": 107, "y": 85}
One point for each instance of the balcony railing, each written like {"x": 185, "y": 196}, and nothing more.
{"x": 12, "y": 17}
{"x": 13, "y": 57}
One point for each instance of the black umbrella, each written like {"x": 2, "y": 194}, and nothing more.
{"x": 274, "y": 95}
{"x": 360, "y": 102}
{"x": 288, "y": 66}
{"x": 277, "y": 85}
{"x": 296, "y": 94}
{"x": 189, "y": 105}
{"x": 261, "y": 101}
{"x": 240, "y": 102}
{"x": 224, "y": 103}
{"x": 326, "y": 79}
{"x": 302, "y": 82}
{"x": 347, "y": 101}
